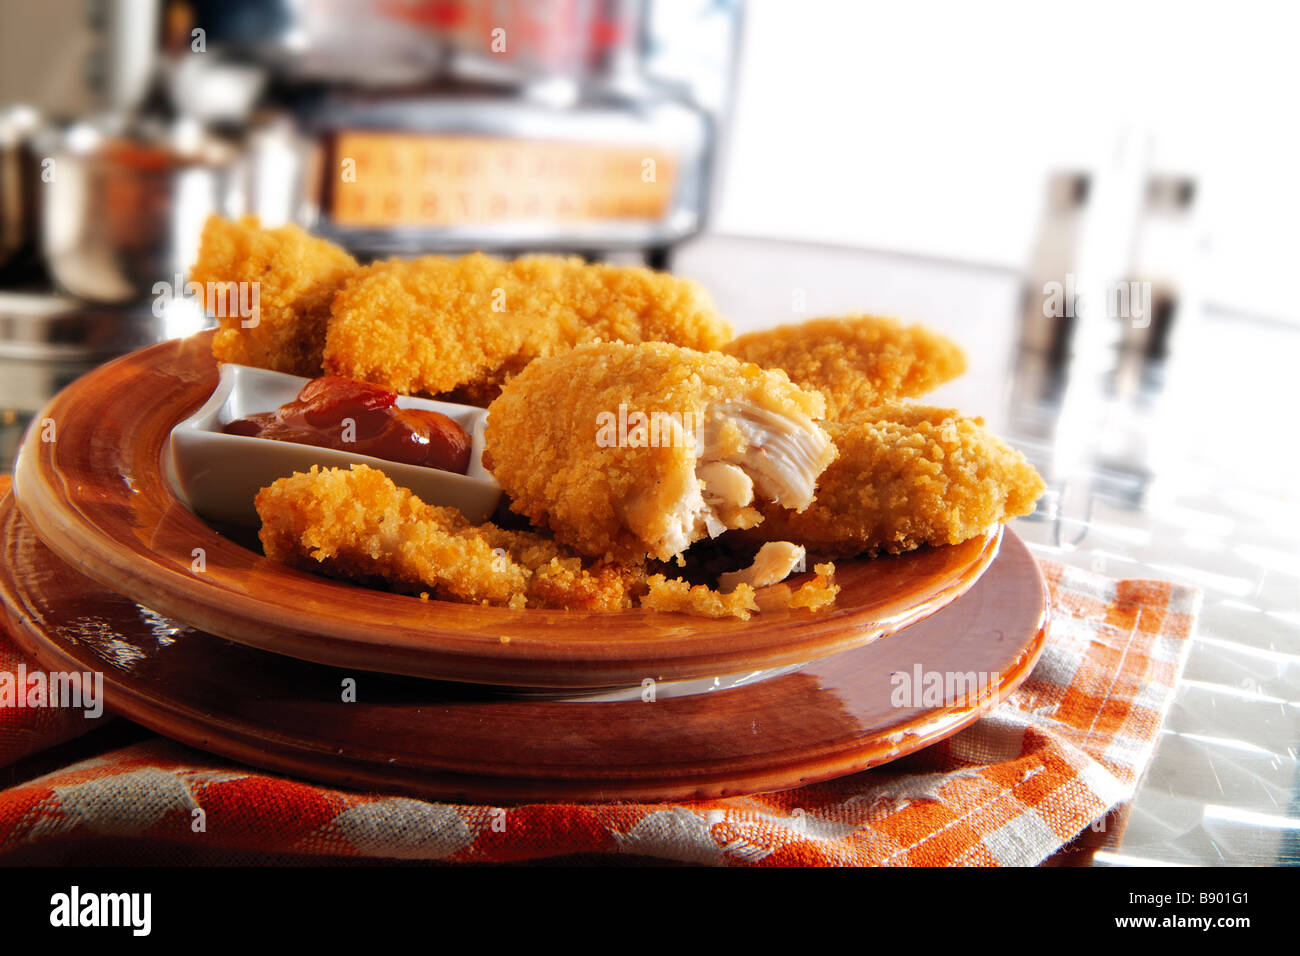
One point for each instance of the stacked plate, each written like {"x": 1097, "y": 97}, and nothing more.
{"x": 203, "y": 639}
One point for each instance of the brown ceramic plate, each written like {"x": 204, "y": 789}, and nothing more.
{"x": 456, "y": 742}
{"x": 98, "y": 495}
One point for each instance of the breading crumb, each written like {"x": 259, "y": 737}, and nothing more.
{"x": 818, "y": 593}
{"x": 675, "y": 594}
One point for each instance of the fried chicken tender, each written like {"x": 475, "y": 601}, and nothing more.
{"x": 857, "y": 362}
{"x": 296, "y": 277}
{"x": 623, "y": 451}
{"x": 908, "y": 475}
{"x": 357, "y": 525}
{"x": 464, "y": 326}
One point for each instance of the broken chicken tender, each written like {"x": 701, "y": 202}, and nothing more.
{"x": 464, "y": 326}
{"x": 359, "y": 526}
{"x": 294, "y": 277}
{"x": 628, "y": 451}
{"x": 908, "y": 475}
{"x": 857, "y": 362}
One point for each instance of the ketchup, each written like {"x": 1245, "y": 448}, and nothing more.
{"x": 337, "y": 412}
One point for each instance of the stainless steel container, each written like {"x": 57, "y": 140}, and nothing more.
{"x": 47, "y": 341}
{"x": 124, "y": 208}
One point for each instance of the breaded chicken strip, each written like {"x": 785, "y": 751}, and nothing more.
{"x": 463, "y": 326}
{"x": 908, "y": 475}
{"x": 857, "y": 361}
{"x": 296, "y": 278}
{"x": 624, "y": 451}
{"x": 359, "y": 526}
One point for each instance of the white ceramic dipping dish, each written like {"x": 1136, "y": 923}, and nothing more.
{"x": 218, "y": 475}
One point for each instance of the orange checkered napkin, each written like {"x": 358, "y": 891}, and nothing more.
{"x": 1011, "y": 789}
{"x": 28, "y": 730}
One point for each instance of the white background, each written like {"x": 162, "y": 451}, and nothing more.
{"x": 930, "y": 127}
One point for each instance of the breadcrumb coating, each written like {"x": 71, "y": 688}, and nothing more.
{"x": 622, "y": 494}
{"x": 857, "y": 362}
{"x": 463, "y": 326}
{"x": 358, "y": 525}
{"x": 908, "y": 475}
{"x": 297, "y": 276}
